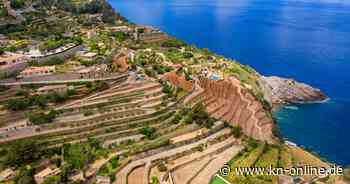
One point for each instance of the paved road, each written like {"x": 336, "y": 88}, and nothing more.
{"x": 63, "y": 81}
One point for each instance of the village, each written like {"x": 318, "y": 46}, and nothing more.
{"x": 100, "y": 102}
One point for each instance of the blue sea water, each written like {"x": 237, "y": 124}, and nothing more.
{"x": 308, "y": 40}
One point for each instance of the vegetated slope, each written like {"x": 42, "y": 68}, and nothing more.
{"x": 261, "y": 155}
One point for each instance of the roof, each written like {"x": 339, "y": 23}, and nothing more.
{"x": 103, "y": 179}
{"x": 87, "y": 70}
{"x": 52, "y": 87}
{"x": 6, "y": 173}
{"x": 35, "y": 68}
{"x": 89, "y": 54}
{"x": 11, "y": 57}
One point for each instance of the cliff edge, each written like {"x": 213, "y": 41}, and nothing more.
{"x": 279, "y": 90}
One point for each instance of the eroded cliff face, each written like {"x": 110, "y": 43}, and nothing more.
{"x": 279, "y": 90}
{"x": 229, "y": 101}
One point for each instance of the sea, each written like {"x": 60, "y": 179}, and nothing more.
{"x": 308, "y": 40}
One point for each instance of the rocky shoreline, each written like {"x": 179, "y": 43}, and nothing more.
{"x": 282, "y": 91}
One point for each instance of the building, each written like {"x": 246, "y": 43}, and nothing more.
{"x": 13, "y": 126}
{"x": 124, "y": 29}
{"x": 103, "y": 180}
{"x": 214, "y": 76}
{"x": 7, "y": 174}
{"x": 61, "y": 89}
{"x": 88, "y": 56}
{"x": 37, "y": 71}
{"x": 149, "y": 34}
{"x": 48, "y": 172}
{"x": 92, "y": 72}
{"x": 76, "y": 176}
{"x": 152, "y": 37}
{"x": 10, "y": 59}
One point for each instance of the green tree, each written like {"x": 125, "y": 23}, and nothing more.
{"x": 78, "y": 155}
{"x": 17, "y": 104}
{"x": 177, "y": 118}
{"x": 52, "y": 180}
{"x": 155, "y": 180}
{"x": 22, "y": 152}
{"x": 237, "y": 131}
{"x": 42, "y": 118}
{"x": 188, "y": 119}
{"x": 166, "y": 88}
{"x": 16, "y": 4}
{"x": 149, "y": 132}
{"x": 94, "y": 143}
{"x": 120, "y": 36}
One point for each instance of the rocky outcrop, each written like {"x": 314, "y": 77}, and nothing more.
{"x": 229, "y": 101}
{"x": 279, "y": 90}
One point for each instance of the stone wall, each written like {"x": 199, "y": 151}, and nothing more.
{"x": 228, "y": 101}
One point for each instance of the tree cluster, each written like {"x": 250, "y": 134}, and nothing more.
{"x": 149, "y": 132}
{"x": 22, "y": 152}
{"x": 16, "y": 4}
{"x": 42, "y": 118}
{"x": 40, "y": 100}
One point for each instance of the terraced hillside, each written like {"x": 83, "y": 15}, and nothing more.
{"x": 227, "y": 100}
{"x": 193, "y": 160}
{"x": 112, "y": 114}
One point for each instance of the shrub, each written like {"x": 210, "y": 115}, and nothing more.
{"x": 188, "y": 119}
{"x": 148, "y": 132}
{"x": 177, "y": 118}
{"x": 150, "y": 73}
{"x": 120, "y": 36}
{"x": 187, "y": 55}
{"x": 155, "y": 180}
{"x": 237, "y": 131}
{"x": 166, "y": 88}
{"x": 162, "y": 167}
{"x": 114, "y": 162}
